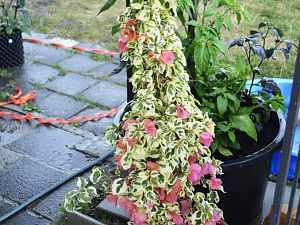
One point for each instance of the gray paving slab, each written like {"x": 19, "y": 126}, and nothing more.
{"x": 95, "y": 147}
{"x": 45, "y": 54}
{"x": 71, "y": 83}
{"x": 34, "y": 72}
{"x": 104, "y": 70}
{"x": 97, "y": 127}
{"x": 25, "y": 178}
{"x": 56, "y": 105}
{"x": 11, "y": 130}
{"x": 52, "y": 146}
{"x": 49, "y": 205}
{"x": 25, "y": 218}
{"x": 5, "y": 206}
{"x": 79, "y": 63}
{"x": 119, "y": 78}
{"x": 268, "y": 201}
{"x": 106, "y": 93}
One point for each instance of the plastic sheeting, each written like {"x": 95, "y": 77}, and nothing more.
{"x": 286, "y": 86}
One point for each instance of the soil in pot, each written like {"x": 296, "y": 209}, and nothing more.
{"x": 249, "y": 146}
{"x": 11, "y": 50}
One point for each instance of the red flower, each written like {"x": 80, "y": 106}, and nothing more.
{"x": 131, "y": 22}
{"x": 215, "y": 183}
{"x": 112, "y": 198}
{"x": 167, "y": 57}
{"x": 118, "y": 158}
{"x": 139, "y": 218}
{"x": 149, "y": 126}
{"x": 181, "y": 112}
{"x": 121, "y": 144}
{"x": 127, "y": 36}
{"x": 132, "y": 141}
{"x": 192, "y": 159}
{"x": 152, "y": 166}
{"x": 127, "y": 122}
{"x": 184, "y": 207}
{"x": 206, "y": 139}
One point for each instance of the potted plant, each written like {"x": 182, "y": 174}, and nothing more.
{"x": 248, "y": 127}
{"x": 14, "y": 20}
{"x": 162, "y": 140}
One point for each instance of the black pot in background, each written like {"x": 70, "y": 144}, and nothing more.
{"x": 245, "y": 181}
{"x": 11, "y": 50}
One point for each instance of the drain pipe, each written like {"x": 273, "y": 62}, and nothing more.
{"x": 54, "y": 186}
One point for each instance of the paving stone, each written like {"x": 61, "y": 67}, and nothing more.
{"x": 52, "y": 146}
{"x": 119, "y": 78}
{"x": 11, "y": 130}
{"x": 43, "y": 53}
{"x": 49, "y": 206}
{"x": 111, "y": 208}
{"x": 97, "y": 127}
{"x": 71, "y": 83}
{"x": 96, "y": 146}
{"x": 24, "y": 218}
{"x": 104, "y": 70}
{"x": 26, "y": 178}
{"x": 79, "y": 63}
{"x": 106, "y": 93}
{"x": 8, "y": 158}
{"x": 56, "y": 105}
{"x": 5, "y": 206}
{"x": 35, "y": 73}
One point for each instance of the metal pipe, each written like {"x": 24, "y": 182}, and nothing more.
{"x": 54, "y": 186}
{"x": 293, "y": 191}
{"x": 298, "y": 214}
{"x": 287, "y": 144}
{"x": 130, "y": 94}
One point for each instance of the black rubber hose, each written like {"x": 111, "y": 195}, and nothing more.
{"x": 54, "y": 186}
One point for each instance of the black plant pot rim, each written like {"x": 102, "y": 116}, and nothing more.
{"x": 3, "y": 34}
{"x": 243, "y": 161}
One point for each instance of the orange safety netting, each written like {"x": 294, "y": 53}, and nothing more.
{"x": 18, "y": 99}
{"x": 83, "y": 49}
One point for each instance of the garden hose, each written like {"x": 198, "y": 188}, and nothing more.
{"x": 54, "y": 186}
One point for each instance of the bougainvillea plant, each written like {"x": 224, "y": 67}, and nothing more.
{"x": 162, "y": 143}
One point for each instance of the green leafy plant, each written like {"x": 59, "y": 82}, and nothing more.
{"x": 31, "y": 107}
{"x": 221, "y": 88}
{"x": 13, "y": 16}
{"x": 87, "y": 191}
{"x": 162, "y": 142}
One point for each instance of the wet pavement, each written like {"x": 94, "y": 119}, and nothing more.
{"x": 35, "y": 156}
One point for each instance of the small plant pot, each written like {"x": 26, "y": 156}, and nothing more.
{"x": 11, "y": 50}
{"x": 77, "y": 218}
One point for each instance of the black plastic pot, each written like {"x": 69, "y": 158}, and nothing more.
{"x": 245, "y": 181}
{"x": 11, "y": 50}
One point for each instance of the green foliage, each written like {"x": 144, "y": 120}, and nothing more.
{"x": 219, "y": 87}
{"x": 31, "y": 107}
{"x": 13, "y": 16}
{"x": 81, "y": 198}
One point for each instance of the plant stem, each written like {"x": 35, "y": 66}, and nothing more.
{"x": 203, "y": 17}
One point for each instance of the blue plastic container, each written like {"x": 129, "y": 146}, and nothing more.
{"x": 286, "y": 86}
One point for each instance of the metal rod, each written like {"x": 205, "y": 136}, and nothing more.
{"x": 298, "y": 214}
{"x": 53, "y": 187}
{"x": 293, "y": 191}
{"x": 130, "y": 94}
{"x": 287, "y": 144}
